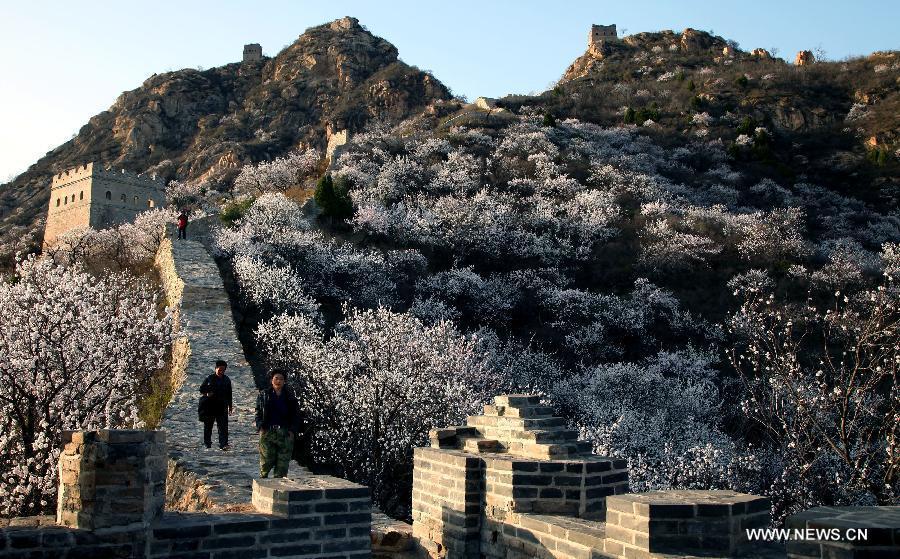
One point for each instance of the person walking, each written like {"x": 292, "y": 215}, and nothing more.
{"x": 215, "y": 405}
{"x": 182, "y": 225}
{"x": 277, "y": 419}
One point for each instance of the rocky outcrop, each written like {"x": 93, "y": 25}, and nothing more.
{"x": 693, "y": 40}
{"x": 193, "y": 124}
{"x": 804, "y": 58}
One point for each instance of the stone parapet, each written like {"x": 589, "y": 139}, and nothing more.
{"x": 448, "y": 488}
{"x": 575, "y": 487}
{"x": 517, "y": 458}
{"x": 686, "y": 522}
{"x": 111, "y": 478}
{"x": 851, "y": 532}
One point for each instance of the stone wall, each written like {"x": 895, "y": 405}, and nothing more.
{"x": 473, "y": 497}
{"x": 110, "y": 506}
{"x": 252, "y": 53}
{"x": 336, "y": 141}
{"x": 78, "y": 198}
{"x": 600, "y": 33}
{"x": 516, "y": 483}
{"x": 111, "y": 478}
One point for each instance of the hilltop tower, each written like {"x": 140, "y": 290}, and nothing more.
{"x": 252, "y": 53}
{"x": 90, "y": 196}
{"x": 601, "y": 33}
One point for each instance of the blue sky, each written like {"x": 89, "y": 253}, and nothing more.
{"x": 62, "y": 62}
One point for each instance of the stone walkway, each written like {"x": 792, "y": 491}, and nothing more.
{"x": 207, "y": 322}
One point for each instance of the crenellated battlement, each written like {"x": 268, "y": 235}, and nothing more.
{"x": 94, "y": 170}
{"x": 90, "y": 195}
{"x": 601, "y": 33}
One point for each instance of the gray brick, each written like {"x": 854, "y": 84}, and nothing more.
{"x": 231, "y": 541}
{"x": 241, "y": 554}
{"x": 347, "y": 545}
{"x": 240, "y": 527}
{"x": 331, "y": 506}
{"x": 198, "y": 531}
{"x": 291, "y": 550}
{"x": 347, "y": 493}
{"x": 284, "y": 537}
{"x": 351, "y": 518}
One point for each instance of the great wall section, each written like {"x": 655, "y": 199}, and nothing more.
{"x": 513, "y": 483}
{"x": 194, "y": 287}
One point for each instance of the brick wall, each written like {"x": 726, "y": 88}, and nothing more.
{"x": 111, "y": 478}
{"x": 112, "y": 487}
{"x": 447, "y": 502}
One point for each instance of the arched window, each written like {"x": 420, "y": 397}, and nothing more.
{"x": 57, "y": 202}
{"x": 123, "y": 198}
{"x": 149, "y": 203}
{"x": 81, "y": 195}
{"x": 66, "y": 201}
{"x": 136, "y": 201}
{"x": 108, "y": 195}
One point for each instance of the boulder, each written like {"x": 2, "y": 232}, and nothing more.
{"x": 804, "y": 58}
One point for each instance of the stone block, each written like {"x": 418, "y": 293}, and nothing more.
{"x": 687, "y": 522}
{"x": 110, "y": 478}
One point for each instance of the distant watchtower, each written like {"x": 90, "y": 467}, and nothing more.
{"x": 90, "y": 196}
{"x": 601, "y": 33}
{"x": 252, "y": 53}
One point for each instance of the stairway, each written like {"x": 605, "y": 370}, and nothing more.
{"x": 206, "y": 321}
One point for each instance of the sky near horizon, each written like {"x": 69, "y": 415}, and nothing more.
{"x": 62, "y": 62}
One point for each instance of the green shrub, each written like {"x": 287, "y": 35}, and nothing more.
{"x": 742, "y": 81}
{"x": 747, "y": 126}
{"x": 333, "y": 197}
{"x": 878, "y": 156}
{"x": 629, "y": 116}
{"x": 549, "y": 119}
{"x": 691, "y": 86}
{"x": 696, "y": 101}
{"x": 235, "y": 210}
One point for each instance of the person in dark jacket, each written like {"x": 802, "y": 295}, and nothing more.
{"x": 217, "y": 405}
{"x": 278, "y": 420}
{"x": 182, "y": 225}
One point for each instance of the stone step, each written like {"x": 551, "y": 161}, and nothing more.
{"x": 450, "y": 437}
{"x": 478, "y": 445}
{"x": 553, "y": 436}
{"x": 556, "y": 451}
{"x": 534, "y": 412}
{"x": 516, "y": 423}
{"x": 535, "y": 436}
{"x": 517, "y": 400}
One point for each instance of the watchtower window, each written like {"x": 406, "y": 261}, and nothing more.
{"x": 135, "y": 200}
{"x": 81, "y": 195}
{"x": 57, "y": 202}
{"x": 123, "y": 198}
{"x": 66, "y": 201}
{"x": 108, "y": 195}
{"x": 149, "y": 203}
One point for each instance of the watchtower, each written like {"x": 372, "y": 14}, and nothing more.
{"x": 601, "y": 33}
{"x": 252, "y": 53}
{"x": 90, "y": 196}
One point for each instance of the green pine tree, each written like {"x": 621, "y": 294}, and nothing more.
{"x": 333, "y": 197}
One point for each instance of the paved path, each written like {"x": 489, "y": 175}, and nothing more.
{"x": 206, "y": 320}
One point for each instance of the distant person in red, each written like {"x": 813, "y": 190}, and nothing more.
{"x": 182, "y": 225}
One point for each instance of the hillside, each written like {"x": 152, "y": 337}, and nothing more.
{"x": 191, "y": 123}
{"x": 833, "y": 122}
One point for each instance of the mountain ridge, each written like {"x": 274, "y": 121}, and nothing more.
{"x": 204, "y": 124}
